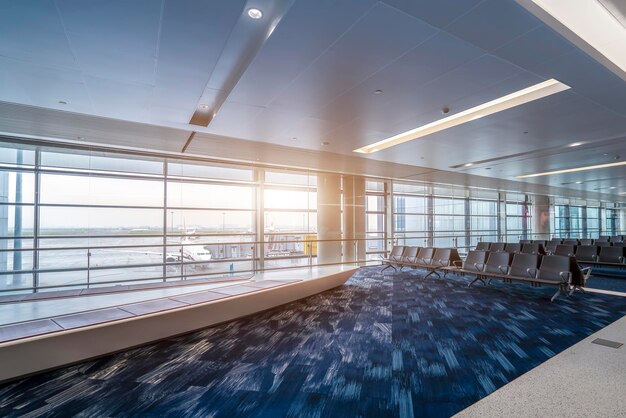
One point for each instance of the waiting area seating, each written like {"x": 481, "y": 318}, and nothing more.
{"x": 535, "y": 269}
{"x": 429, "y": 258}
{"x": 532, "y": 267}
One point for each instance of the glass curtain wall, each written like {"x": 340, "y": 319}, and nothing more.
{"x": 375, "y": 213}
{"x": 518, "y": 217}
{"x": 290, "y": 219}
{"x": 483, "y": 212}
{"x": 412, "y": 224}
{"x": 72, "y": 218}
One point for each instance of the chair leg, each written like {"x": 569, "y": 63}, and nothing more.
{"x": 558, "y": 292}
{"x": 389, "y": 266}
{"x": 475, "y": 280}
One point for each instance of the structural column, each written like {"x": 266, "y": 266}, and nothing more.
{"x": 354, "y": 244}
{"x": 541, "y": 217}
{"x": 329, "y": 218}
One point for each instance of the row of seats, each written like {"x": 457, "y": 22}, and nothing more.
{"x": 528, "y": 248}
{"x": 614, "y": 255}
{"x": 536, "y": 269}
{"x": 429, "y": 258}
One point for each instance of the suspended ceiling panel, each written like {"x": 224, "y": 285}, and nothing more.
{"x": 314, "y": 81}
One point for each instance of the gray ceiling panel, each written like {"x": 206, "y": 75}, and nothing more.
{"x": 439, "y": 13}
{"x": 493, "y": 23}
{"x": 32, "y": 30}
{"x": 535, "y": 47}
{"x": 304, "y": 34}
{"x": 314, "y": 79}
{"x": 380, "y": 37}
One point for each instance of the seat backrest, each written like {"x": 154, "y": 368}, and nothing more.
{"x": 557, "y": 240}
{"x": 565, "y": 249}
{"x": 522, "y": 262}
{"x": 442, "y": 254}
{"x": 474, "y": 257}
{"x": 411, "y": 252}
{"x": 616, "y": 238}
{"x": 586, "y": 242}
{"x": 554, "y": 268}
{"x": 587, "y": 252}
{"x": 533, "y": 249}
{"x": 602, "y": 243}
{"x": 619, "y": 244}
{"x": 397, "y": 251}
{"x": 498, "y": 262}
{"x": 551, "y": 246}
{"x": 540, "y": 241}
{"x": 425, "y": 254}
{"x": 497, "y": 246}
{"x": 524, "y": 241}
{"x": 570, "y": 241}
{"x": 483, "y": 246}
{"x": 513, "y": 248}
{"x": 611, "y": 255}
{"x": 602, "y": 238}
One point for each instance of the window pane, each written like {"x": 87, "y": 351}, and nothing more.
{"x": 276, "y": 221}
{"x": 197, "y": 195}
{"x": 182, "y": 221}
{"x": 101, "y": 162}
{"x": 221, "y": 172}
{"x": 290, "y": 199}
{"x": 9, "y": 181}
{"x": 410, "y": 204}
{"x": 85, "y": 190}
{"x": 16, "y": 220}
{"x": 100, "y": 221}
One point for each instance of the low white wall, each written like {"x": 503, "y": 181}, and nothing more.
{"x": 36, "y": 354}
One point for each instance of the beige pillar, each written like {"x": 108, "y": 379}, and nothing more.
{"x": 541, "y": 217}
{"x": 354, "y": 245}
{"x": 328, "y": 218}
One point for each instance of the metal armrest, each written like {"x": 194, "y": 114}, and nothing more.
{"x": 504, "y": 269}
{"x": 458, "y": 263}
{"x": 482, "y": 266}
{"x": 566, "y": 276}
{"x": 621, "y": 259}
{"x": 533, "y": 274}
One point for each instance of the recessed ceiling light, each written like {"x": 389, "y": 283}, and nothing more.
{"x": 255, "y": 13}
{"x": 63, "y": 102}
{"x": 572, "y": 170}
{"x": 579, "y": 182}
{"x": 525, "y": 132}
{"x": 325, "y": 143}
{"x": 378, "y": 92}
{"x": 517, "y": 98}
{"x": 204, "y": 106}
{"x": 80, "y": 137}
{"x": 468, "y": 164}
{"x": 487, "y": 168}
{"x": 575, "y": 144}
{"x": 294, "y": 138}
{"x": 612, "y": 187}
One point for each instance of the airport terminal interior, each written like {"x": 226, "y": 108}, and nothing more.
{"x": 313, "y": 208}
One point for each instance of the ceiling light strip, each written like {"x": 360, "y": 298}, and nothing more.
{"x": 517, "y": 98}
{"x": 573, "y": 170}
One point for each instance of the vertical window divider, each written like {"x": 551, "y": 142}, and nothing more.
{"x": 36, "y": 219}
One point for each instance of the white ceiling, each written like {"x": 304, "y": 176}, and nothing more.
{"x": 314, "y": 80}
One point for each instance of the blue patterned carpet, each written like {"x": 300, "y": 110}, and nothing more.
{"x": 393, "y": 345}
